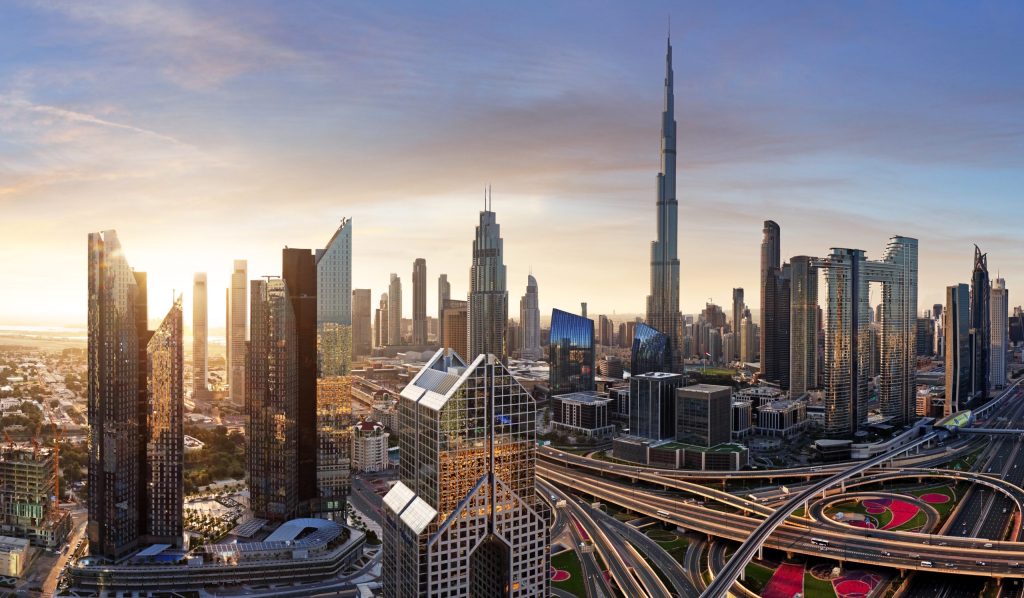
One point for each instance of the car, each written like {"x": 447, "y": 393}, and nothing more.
{"x": 987, "y": 545}
{"x": 979, "y": 563}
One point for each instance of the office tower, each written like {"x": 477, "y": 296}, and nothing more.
{"x": 298, "y": 271}
{"x": 465, "y": 518}
{"x": 455, "y": 323}
{"x": 803, "y": 326}
{"x": 395, "y": 310}
{"x": 334, "y": 445}
{"x": 848, "y": 335}
{"x": 200, "y": 334}
{"x": 164, "y": 433}
{"x": 775, "y": 308}
{"x": 999, "y": 308}
{"x": 488, "y": 297}
{"x": 571, "y": 353}
{"x": 925, "y": 337}
{"x": 714, "y": 349}
{"x": 937, "y": 311}
{"x": 650, "y": 352}
{"x": 381, "y": 326}
{"x": 981, "y": 322}
{"x": 419, "y": 302}
{"x": 529, "y": 317}
{"x": 334, "y": 302}
{"x": 236, "y": 331}
{"x": 272, "y": 406}
{"x": 444, "y": 293}
{"x": 362, "y": 334}
{"x": 663, "y": 302}
{"x": 704, "y": 414}
{"x": 116, "y": 305}
{"x": 956, "y": 323}
{"x": 652, "y": 405}
{"x": 737, "y": 317}
{"x": 748, "y": 339}
{"x": 1017, "y": 326}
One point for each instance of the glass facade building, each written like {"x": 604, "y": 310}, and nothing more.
{"x": 487, "y": 308}
{"x": 334, "y": 302}
{"x": 651, "y": 351}
{"x": 999, "y": 308}
{"x": 237, "y": 331}
{"x": 957, "y": 329}
{"x": 803, "y": 322}
{"x": 981, "y": 325}
{"x": 571, "y": 353}
{"x": 465, "y": 518}
{"x": 652, "y": 405}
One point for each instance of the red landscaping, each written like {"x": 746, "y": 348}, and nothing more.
{"x": 855, "y": 584}
{"x": 935, "y": 499}
{"x": 787, "y": 581}
{"x": 559, "y": 575}
{"x": 901, "y": 510}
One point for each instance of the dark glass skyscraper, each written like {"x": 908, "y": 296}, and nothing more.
{"x": 775, "y": 308}
{"x": 571, "y": 353}
{"x": 981, "y": 325}
{"x": 651, "y": 351}
{"x": 955, "y": 323}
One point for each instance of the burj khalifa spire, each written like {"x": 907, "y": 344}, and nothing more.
{"x": 663, "y": 302}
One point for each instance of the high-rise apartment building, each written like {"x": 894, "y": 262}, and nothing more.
{"x": 663, "y": 301}
{"x": 165, "y": 433}
{"x": 999, "y": 308}
{"x": 381, "y": 327}
{"x": 957, "y": 327}
{"x": 981, "y": 323}
{"x": 465, "y": 518}
{"x": 200, "y": 336}
{"x": 334, "y": 445}
{"x": 775, "y": 308}
{"x": 737, "y": 317}
{"x": 803, "y": 326}
{"x": 419, "y": 302}
{"x": 488, "y": 294}
{"x": 571, "y": 353}
{"x": 848, "y": 335}
{"x": 748, "y": 339}
{"x": 529, "y": 318}
{"x": 395, "y": 310}
{"x": 135, "y": 387}
{"x": 444, "y": 293}
{"x": 299, "y": 272}
{"x": 237, "y": 332}
{"x": 362, "y": 328}
{"x": 334, "y": 302}
{"x": 455, "y": 323}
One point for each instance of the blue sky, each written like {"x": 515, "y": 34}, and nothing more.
{"x": 205, "y": 132}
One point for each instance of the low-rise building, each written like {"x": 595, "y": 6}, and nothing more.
{"x": 583, "y": 413}
{"x": 742, "y": 419}
{"x": 13, "y": 554}
{"x": 783, "y": 418}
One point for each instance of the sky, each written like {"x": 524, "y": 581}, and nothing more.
{"x": 209, "y": 131}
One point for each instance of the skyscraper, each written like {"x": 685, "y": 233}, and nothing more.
{"x": 395, "y": 310}
{"x": 529, "y": 316}
{"x": 488, "y": 295}
{"x": 737, "y": 317}
{"x": 956, "y": 324}
{"x": 362, "y": 335}
{"x": 999, "y": 307}
{"x": 775, "y": 308}
{"x": 271, "y": 410}
{"x": 236, "y": 331}
{"x": 199, "y": 335}
{"x": 465, "y": 518}
{"x": 419, "y": 302}
{"x": 748, "y": 338}
{"x": 663, "y": 302}
{"x": 981, "y": 322}
{"x": 803, "y": 323}
{"x": 298, "y": 270}
{"x": 135, "y": 387}
{"x": 571, "y": 353}
{"x": 381, "y": 326}
{"x": 115, "y": 420}
{"x": 650, "y": 351}
{"x": 444, "y": 293}
{"x": 848, "y": 335}
{"x": 334, "y": 302}
{"x": 164, "y": 432}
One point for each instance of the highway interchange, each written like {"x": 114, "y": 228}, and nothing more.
{"x": 974, "y": 544}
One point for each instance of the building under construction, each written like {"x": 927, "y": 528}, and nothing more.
{"x": 27, "y": 497}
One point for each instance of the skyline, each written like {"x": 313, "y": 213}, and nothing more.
{"x": 197, "y": 136}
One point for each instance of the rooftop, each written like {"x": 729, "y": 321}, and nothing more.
{"x": 589, "y": 397}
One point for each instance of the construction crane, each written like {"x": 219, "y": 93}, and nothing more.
{"x": 58, "y": 437}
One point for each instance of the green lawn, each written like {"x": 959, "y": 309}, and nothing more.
{"x": 944, "y": 509}
{"x": 568, "y": 561}
{"x": 660, "y": 535}
{"x": 817, "y": 588}
{"x": 676, "y": 548}
{"x": 757, "y": 577}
